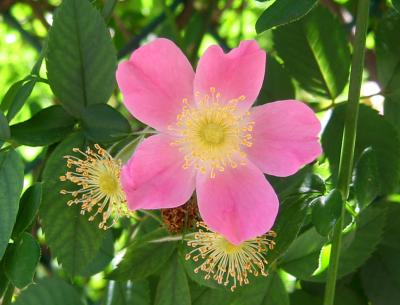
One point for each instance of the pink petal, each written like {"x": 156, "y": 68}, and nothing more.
{"x": 154, "y": 178}
{"x": 285, "y": 137}
{"x": 154, "y": 81}
{"x": 238, "y": 73}
{"x": 239, "y": 203}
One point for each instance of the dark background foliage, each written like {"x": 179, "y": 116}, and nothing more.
{"x": 58, "y": 91}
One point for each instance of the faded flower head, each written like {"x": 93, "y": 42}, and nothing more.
{"x": 229, "y": 264}
{"x": 180, "y": 218}
{"x": 210, "y": 140}
{"x": 97, "y": 175}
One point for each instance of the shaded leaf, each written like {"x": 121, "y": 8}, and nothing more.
{"x": 144, "y": 257}
{"x": 103, "y": 257}
{"x": 288, "y": 223}
{"x": 326, "y": 211}
{"x": 366, "y": 178}
{"x": 21, "y": 259}
{"x": 396, "y": 5}
{"x": 102, "y": 123}
{"x": 28, "y": 208}
{"x": 173, "y": 288}
{"x": 372, "y": 131}
{"x": 315, "y": 52}
{"x": 282, "y": 12}
{"x": 46, "y": 127}
{"x": 358, "y": 246}
{"x": 11, "y": 183}
{"x": 80, "y": 59}
{"x": 263, "y": 291}
{"x": 127, "y": 293}
{"x": 71, "y": 237}
{"x": 49, "y": 291}
{"x": 277, "y": 83}
{"x": 388, "y": 65}
{"x": 381, "y": 274}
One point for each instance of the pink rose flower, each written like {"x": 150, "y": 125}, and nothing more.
{"x": 209, "y": 139}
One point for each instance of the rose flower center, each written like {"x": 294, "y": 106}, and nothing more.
{"x": 212, "y": 133}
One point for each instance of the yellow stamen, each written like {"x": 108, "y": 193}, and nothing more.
{"x": 226, "y": 263}
{"x": 97, "y": 175}
{"x": 213, "y": 133}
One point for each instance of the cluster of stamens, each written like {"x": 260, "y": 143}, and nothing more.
{"x": 212, "y": 133}
{"x": 226, "y": 263}
{"x": 100, "y": 192}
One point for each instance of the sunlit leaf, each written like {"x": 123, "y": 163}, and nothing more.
{"x": 46, "y": 127}
{"x": 73, "y": 239}
{"x": 282, "y": 12}
{"x": 372, "y": 131}
{"x": 315, "y": 52}
{"x": 81, "y": 59}
{"x": 21, "y": 259}
{"x": 102, "y": 123}
{"x": 11, "y": 182}
{"x": 28, "y": 208}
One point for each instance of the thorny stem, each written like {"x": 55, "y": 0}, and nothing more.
{"x": 348, "y": 142}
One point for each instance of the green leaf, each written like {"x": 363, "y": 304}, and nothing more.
{"x": 302, "y": 258}
{"x": 316, "y": 53}
{"x": 108, "y": 8}
{"x": 4, "y": 128}
{"x": 28, "y": 208}
{"x": 359, "y": 245}
{"x": 103, "y": 257}
{"x": 396, "y": 5}
{"x": 11, "y": 183}
{"x": 173, "y": 288}
{"x": 343, "y": 296}
{"x": 282, "y": 12}
{"x": 73, "y": 239}
{"x": 214, "y": 296}
{"x": 49, "y": 291}
{"x": 381, "y": 274}
{"x": 372, "y": 131}
{"x": 388, "y": 65}
{"x": 102, "y": 123}
{"x": 21, "y": 259}
{"x": 366, "y": 178}
{"x": 288, "y": 223}
{"x": 128, "y": 293}
{"x": 326, "y": 211}
{"x": 81, "y": 58}
{"x": 263, "y": 291}
{"x": 287, "y": 187}
{"x": 314, "y": 183}
{"x": 144, "y": 257}
{"x": 46, "y": 127}
{"x": 16, "y": 97}
{"x": 277, "y": 83}
{"x": 198, "y": 277}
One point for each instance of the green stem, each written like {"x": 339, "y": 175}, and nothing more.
{"x": 8, "y": 294}
{"x": 348, "y": 142}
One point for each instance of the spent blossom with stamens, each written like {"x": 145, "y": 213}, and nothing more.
{"x": 227, "y": 263}
{"x": 209, "y": 139}
{"x": 97, "y": 175}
